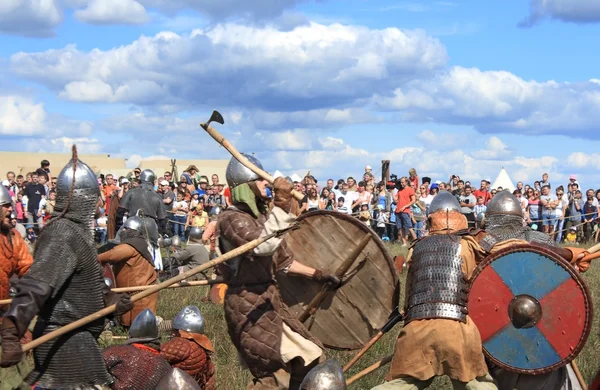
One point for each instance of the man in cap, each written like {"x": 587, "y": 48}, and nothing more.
{"x": 65, "y": 283}
{"x": 439, "y": 338}
{"x": 271, "y": 342}
{"x": 190, "y": 349}
{"x": 137, "y": 364}
{"x": 15, "y": 259}
{"x": 146, "y": 203}
{"x": 133, "y": 266}
{"x": 503, "y": 228}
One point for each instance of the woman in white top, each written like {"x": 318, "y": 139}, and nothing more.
{"x": 425, "y": 198}
{"x": 560, "y": 211}
{"x": 313, "y": 200}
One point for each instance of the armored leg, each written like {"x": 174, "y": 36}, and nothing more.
{"x": 480, "y": 383}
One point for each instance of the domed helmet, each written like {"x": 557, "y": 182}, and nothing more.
{"x": 85, "y": 192}
{"x": 216, "y": 210}
{"x": 144, "y": 327}
{"x": 177, "y": 379}
{"x": 195, "y": 233}
{"x": 134, "y": 223}
{"x": 504, "y": 203}
{"x": 4, "y": 196}
{"x": 147, "y": 176}
{"x": 164, "y": 242}
{"x": 444, "y": 201}
{"x": 176, "y": 241}
{"x": 237, "y": 173}
{"x": 325, "y": 376}
{"x": 189, "y": 319}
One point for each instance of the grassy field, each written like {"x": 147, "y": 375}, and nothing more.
{"x": 230, "y": 376}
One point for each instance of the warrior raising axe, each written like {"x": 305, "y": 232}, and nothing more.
{"x": 272, "y": 343}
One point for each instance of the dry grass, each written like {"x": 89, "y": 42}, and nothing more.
{"x": 231, "y": 376}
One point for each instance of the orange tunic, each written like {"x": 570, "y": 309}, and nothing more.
{"x": 14, "y": 259}
{"x": 435, "y": 347}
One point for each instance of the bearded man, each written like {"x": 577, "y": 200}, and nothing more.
{"x": 15, "y": 259}
{"x": 503, "y": 228}
{"x": 132, "y": 265}
{"x": 271, "y": 342}
{"x": 65, "y": 283}
{"x": 439, "y": 337}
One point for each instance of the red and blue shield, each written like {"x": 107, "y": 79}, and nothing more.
{"x": 532, "y": 308}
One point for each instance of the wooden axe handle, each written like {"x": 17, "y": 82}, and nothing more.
{"x": 243, "y": 160}
{"x": 369, "y": 369}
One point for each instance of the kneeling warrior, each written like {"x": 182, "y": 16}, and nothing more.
{"x": 439, "y": 337}
{"x": 65, "y": 283}
{"x": 132, "y": 265}
{"x": 272, "y": 343}
{"x": 137, "y": 364}
{"x": 189, "y": 348}
{"x": 503, "y": 228}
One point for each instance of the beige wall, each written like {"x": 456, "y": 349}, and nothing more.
{"x": 22, "y": 163}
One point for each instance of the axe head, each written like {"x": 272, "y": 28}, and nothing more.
{"x": 216, "y": 117}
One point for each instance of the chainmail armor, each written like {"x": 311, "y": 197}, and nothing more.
{"x": 66, "y": 259}
{"x": 134, "y": 368}
{"x": 144, "y": 198}
{"x": 126, "y": 234}
{"x": 505, "y": 227}
{"x": 437, "y": 285}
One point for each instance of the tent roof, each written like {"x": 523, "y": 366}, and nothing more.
{"x": 504, "y": 181}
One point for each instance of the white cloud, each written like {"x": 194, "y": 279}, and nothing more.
{"x": 36, "y": 18}
{"x": 575, "y": 11}
{"x": 499, "y": 101}
{"x": 21, "y": 116}
{"x": 134, "y": 160}
{"x": 113, "y": 12}
{"x": 495, "y": 149}
{"x": 310, "y": 67}
{"x": 581, "y": 160}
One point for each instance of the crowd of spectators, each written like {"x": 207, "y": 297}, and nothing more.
{"x": 396, "y": 209}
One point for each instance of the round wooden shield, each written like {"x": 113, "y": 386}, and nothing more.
{"x": 217, "y": 293}
{"x": 351, "y": 315}
{"x": 532, "y": 308}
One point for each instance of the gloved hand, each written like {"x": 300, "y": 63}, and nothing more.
{"x": 283, "y": 194}
{"x": 12, "y": 353}
{"x": 124, "y": 305}
{"x": 326, "y": 277}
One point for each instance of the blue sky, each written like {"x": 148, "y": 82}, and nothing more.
{"x": 462, "y": 87}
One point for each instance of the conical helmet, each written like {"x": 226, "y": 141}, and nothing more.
{"x": 444, "y": 201}
{"x": 147, "y": 176}
{"x": 325, "y": 376}
{"x": 176, "y": 241}
{"x": 134, "y": 223}
{"x": 237, "y": 173}
{"x": 144, "y": 326}
{"x": 4, "y": 196}
{"x": 82, "y": 202}
{"x": 178, "y": 379}
{"x": 504, "y": 203}
{"x": 195, "y": 233}
{"x": 189, "y": 319}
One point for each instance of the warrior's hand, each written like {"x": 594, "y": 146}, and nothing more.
{"x": 12, "y": 353}
{"x": 326, "y": 277}
{"x": 124, "y": 305}
{"x": 283, "y": 194}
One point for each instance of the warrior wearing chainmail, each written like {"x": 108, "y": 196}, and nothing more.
{"x": 439, "y": 337}
{"x": 271, "y": 342}
{"x": 144, "y": 202}
{"x": 65, "y": 283}
{"x": 504, "y": 227}
{"x": 189, "y": 349}
{"x": 137, "y": 364}
{"x": 132, "y": 265}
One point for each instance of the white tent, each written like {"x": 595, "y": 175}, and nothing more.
{"x": 504, "y": 181}
{"x": 295, "y": 177}
{"x": 277, "y": 174}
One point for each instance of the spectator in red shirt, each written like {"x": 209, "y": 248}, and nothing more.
{"x": 404, "y": 200}
{"x": 483, "y": 192}
{"x": 413, "y": 178}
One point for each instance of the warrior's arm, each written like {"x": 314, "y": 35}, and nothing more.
{"x": 119, "y": 253}
{"x": 24, "y": 260}
{"x": 31, "y": 296}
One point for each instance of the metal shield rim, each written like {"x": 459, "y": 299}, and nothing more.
{"x": 574, "y": 274}
{"x": 382, "y": 249}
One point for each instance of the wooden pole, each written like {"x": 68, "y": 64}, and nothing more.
{"x": 385, "y": 171}
{"x": 396, "y": 317}
{"x": 243, "y": 160}
{"x": 193, "y": 283}
{"x": 578, "y": 375}
{"x": 369, "y": 370}
{"x": 341, "y": 271}
{"x": 154, "y": 289}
